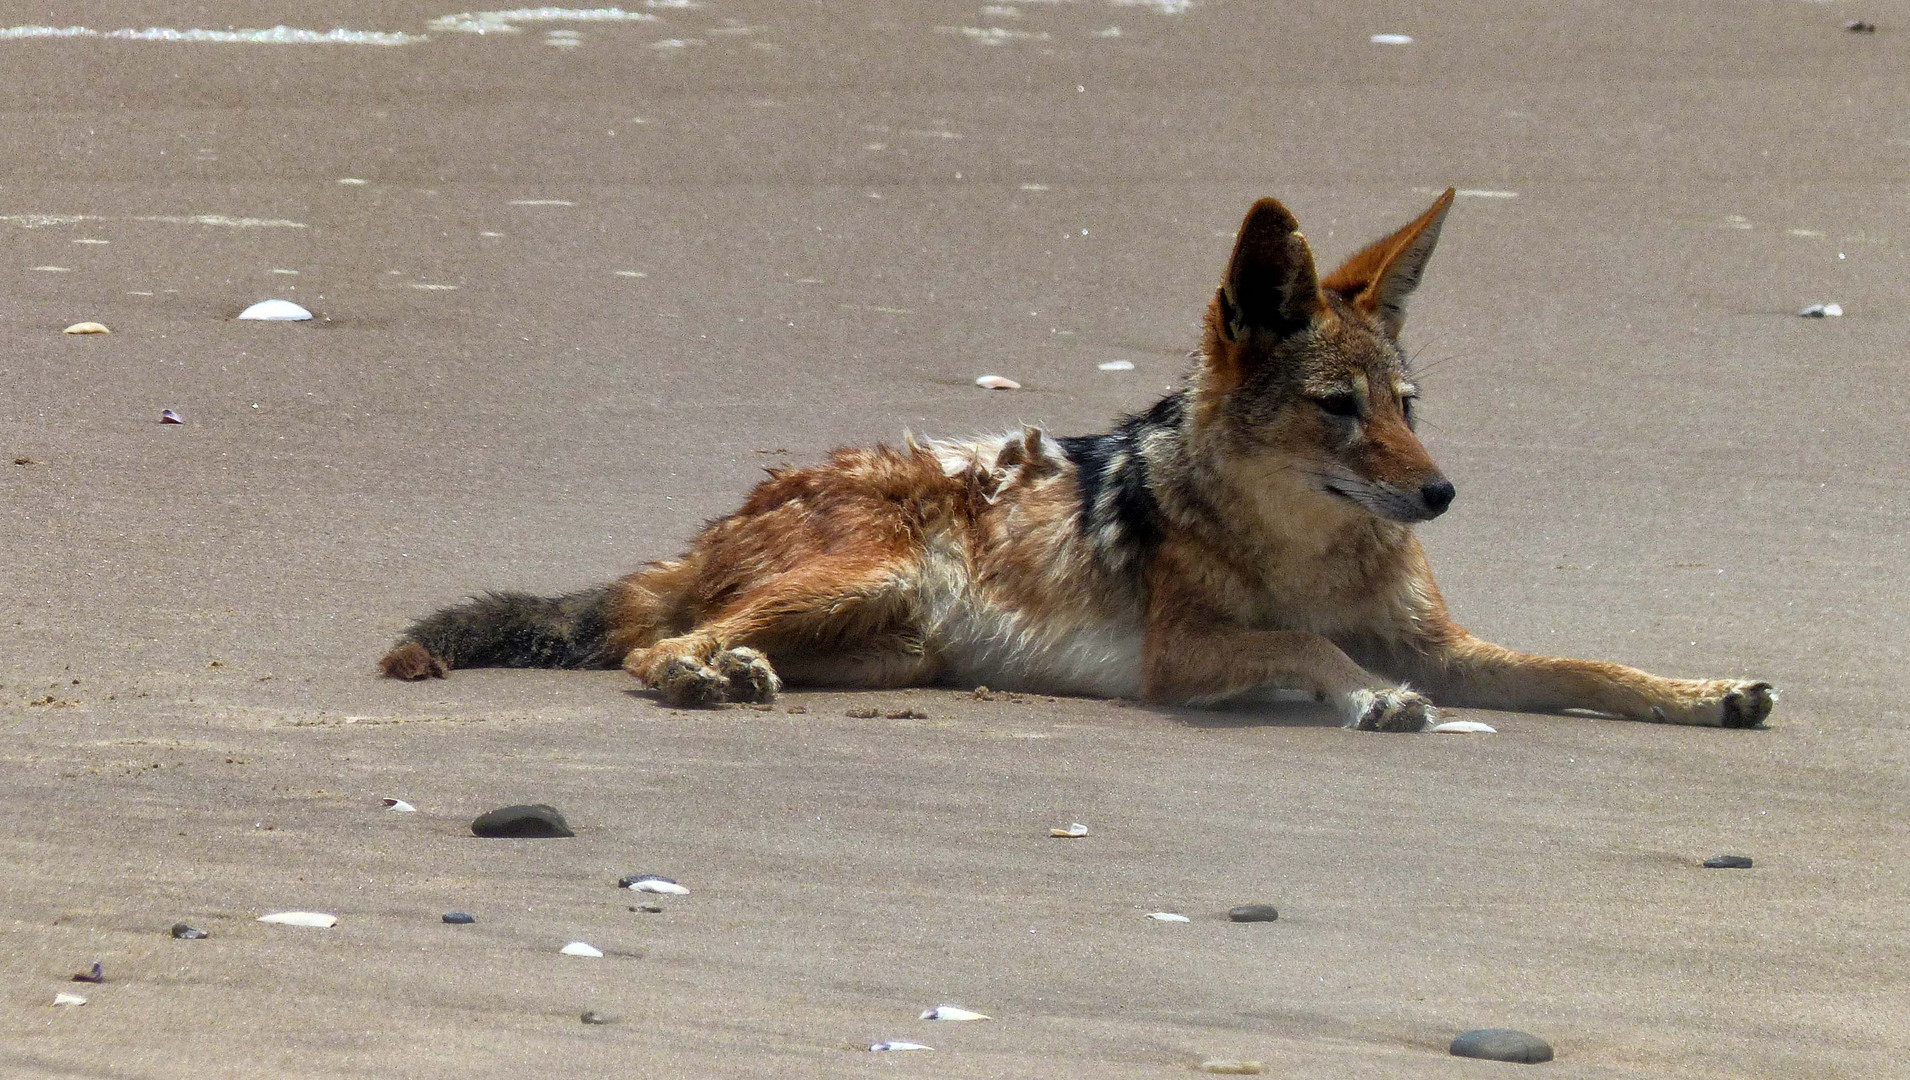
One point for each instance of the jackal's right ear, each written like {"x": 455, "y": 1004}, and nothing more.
{"x": 1379, "y": 278}
{"x": 1271, "y": 286}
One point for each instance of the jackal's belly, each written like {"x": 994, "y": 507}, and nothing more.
{"x": 981, "y": 643}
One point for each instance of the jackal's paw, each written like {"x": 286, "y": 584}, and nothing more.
{"x": 411, "y": 660}
{"x": 690, "y": 685}
{"x": 1393, "y": 709}
{"x": 1722, "y": 703}
{"x": 750, "y": 677}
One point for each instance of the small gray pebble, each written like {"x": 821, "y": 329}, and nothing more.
{"x": 189, "y": 933}
{"x": 1502, "y": 1044}
{"x": 1253, "y": 913}
{"x": 592, "y": 1016}
{"x": 535, "y": 819}
{"x": 459, "y": 918}
{"x": 1728, "y": 862}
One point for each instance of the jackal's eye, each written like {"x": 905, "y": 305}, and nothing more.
{"x": 1344, "y": 405}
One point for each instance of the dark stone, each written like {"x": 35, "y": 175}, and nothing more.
{"x": 189, "y": 933}
{"x": 628, "y": 880}
{"x": 592, "y": 1016}
{"x": 1502, "y": 1044}
{"x": 94, "y": 974}
{"x": 1728, "y": 862}
{"x": 1253, "y": 913}
{"x": 536, "y": 819}
{"x": 459, "y": 918}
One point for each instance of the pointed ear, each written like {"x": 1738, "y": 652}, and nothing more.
{"x": 1271, "y": 286}
{"x": 1379, "y": 279}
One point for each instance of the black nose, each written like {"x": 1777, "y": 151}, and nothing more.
{"x": 1438, "y": 495}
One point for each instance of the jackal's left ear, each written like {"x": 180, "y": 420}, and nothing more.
{"x": 1271, "y": 285}
{"x": 1379, "y": 279}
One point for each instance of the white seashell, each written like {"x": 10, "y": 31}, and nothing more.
{"x": 401, "y": 806}
{"x": 1392, "y": 39}
{"x": 1167, "y": 916}
{"x": 1232, "y": 1067}
{"x": 1465, "y": 727}
{"x": 64, "y": 998}
{"x": 86, "y": 328}
{"x": 953, "y": 1012}
{"x": 1822, "y": 311}
{"x": 275, "y": 311}
{"x": 1116, "y": 365}
{"x": 579, "y": 948}
{"x": 167, "y": 416}
{"x": 896, "y": 1045}
{"x": 658, "y": 885}
{"x": 300, "y": 918}
{"x": 1073, "y": 832}
{"x": 997, "y": 382}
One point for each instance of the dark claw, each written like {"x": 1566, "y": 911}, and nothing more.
{"x": 1747, "y": 708}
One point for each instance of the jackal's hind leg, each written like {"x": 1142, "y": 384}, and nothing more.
{"x": 748, "y": 676}
{"x": 680, "y": 670}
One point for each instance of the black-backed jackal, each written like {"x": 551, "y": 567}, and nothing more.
{"x": 1251, "y": 532}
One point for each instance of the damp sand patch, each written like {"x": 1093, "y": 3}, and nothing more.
{"x": 277, "y": 35}
{"x": 45, "y": 221}
{"x": 507, "y": 21}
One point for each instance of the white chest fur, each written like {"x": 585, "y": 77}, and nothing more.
{"x": 983, "y": 643}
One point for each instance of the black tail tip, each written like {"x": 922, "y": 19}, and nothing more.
{"x": 410, "y": 661}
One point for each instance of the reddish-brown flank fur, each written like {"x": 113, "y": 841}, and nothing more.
{"x": 1252, "y": 532}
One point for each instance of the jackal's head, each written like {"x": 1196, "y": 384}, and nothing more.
{"x": 1304, "y": 392}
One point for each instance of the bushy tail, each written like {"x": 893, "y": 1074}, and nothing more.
{"x": 507, "y": 630}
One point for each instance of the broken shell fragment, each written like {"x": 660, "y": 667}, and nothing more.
{"x": 579, "y": 948}
{"x": 1465, "y": 727}
{"x": 1073, "y": 832}
{"x": 654, "y": 883}
{"x": 1823, "y": 311}
{"x": 953, "y": 1012}
{"x": 1167, "y": 916}
{"x": 894, "y": 1044}
{"x": 64, "y": 998}
{"x": 400, "y": 806}
{"x": 86, "y": 328}
{"x": 997, "y": 382}
{"x": 300, "y": 918}
{"x": 94, "y": 974}
{"x": 275, "y": 311}
{"x": 1116, "y": 365}
{"x": 167, "y": 416}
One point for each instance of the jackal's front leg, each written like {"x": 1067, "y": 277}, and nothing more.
{"x": 1464, "y": 672}
{"x": 1200, "y": 666}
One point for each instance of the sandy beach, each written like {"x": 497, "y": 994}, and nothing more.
{"x": 576, "y": 281}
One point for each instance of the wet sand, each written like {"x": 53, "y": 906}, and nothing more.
{"x": 585, "y": 292}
